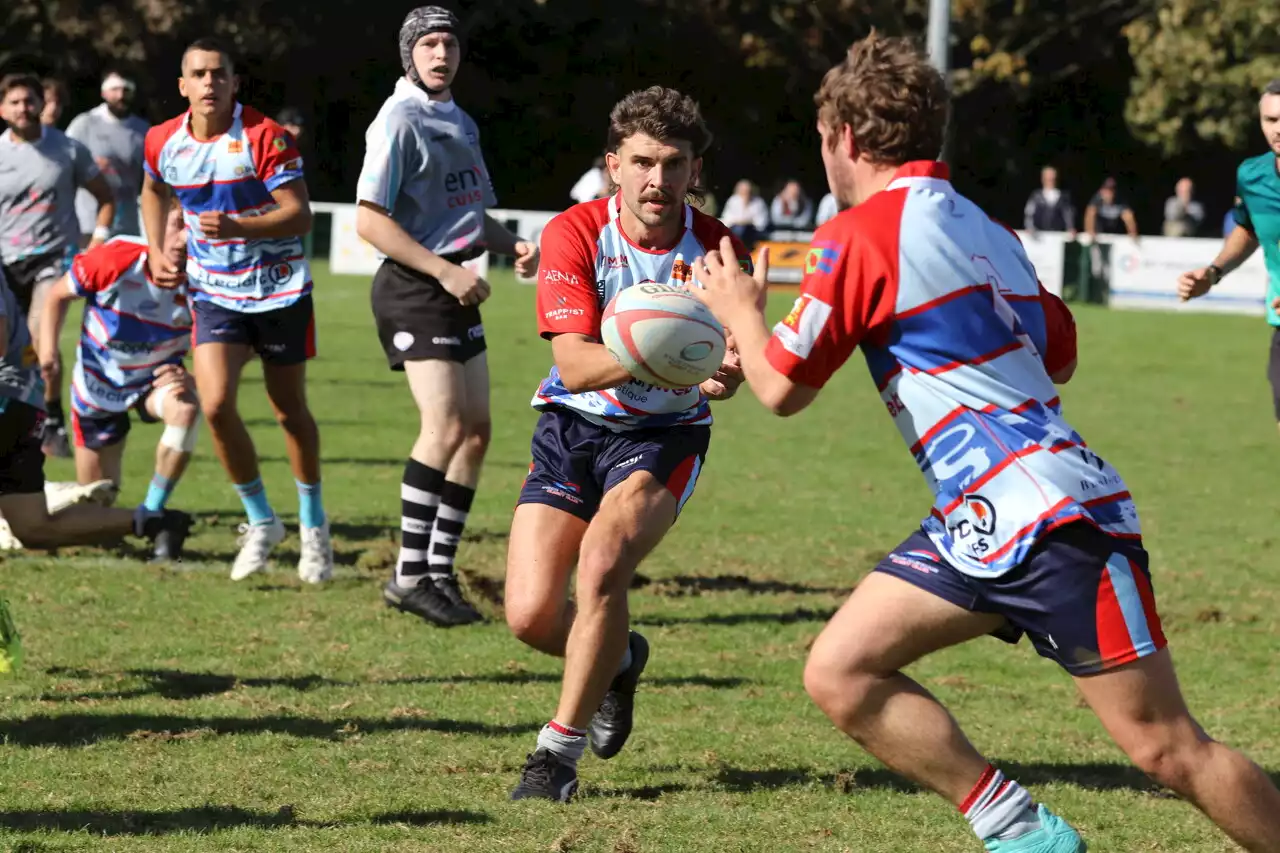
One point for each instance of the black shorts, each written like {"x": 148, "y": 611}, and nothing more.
{"x": 21, "y": 459}
{"x": 284, "y": 336}
{"x": 575, "y": 461}
{"x": 1273, "y": 371}
{"x": 418, "y": 319}
{"x": 24, "y": 275}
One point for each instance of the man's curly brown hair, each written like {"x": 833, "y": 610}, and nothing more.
{"x": 893, "y": 100}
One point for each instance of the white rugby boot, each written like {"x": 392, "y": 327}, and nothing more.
{"x": 256, "y": 542}
{"x": 315, "y": 565}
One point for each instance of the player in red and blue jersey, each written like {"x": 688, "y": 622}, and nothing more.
{"x": 133, "y": 338}
{"x": 1031, "y": 531}
{"x": 614, "y": 459}
{"x": 239, "y": 178}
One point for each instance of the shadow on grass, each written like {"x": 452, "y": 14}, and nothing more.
{"x": 786, "y": 617}
{"x": 1092, "y": 776}
{"x": 691, "y": 585}
{"x": 70, "y": 730}
{"x": 648, "y": 793}
{"x": 209, "y": 818}
{"x": 179, "y": 684}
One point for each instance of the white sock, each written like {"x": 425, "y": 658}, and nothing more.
{"x": 567, "y": 742}
{"x": 999, "y": 808}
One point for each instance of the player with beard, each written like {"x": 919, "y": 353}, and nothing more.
{"x": 422, "y": 195}
{"x": 114, "y": 136}
{"x": 614, "y": 459}
{"x": 40, "y": 170}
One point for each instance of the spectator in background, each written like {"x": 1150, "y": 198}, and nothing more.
{"x": 1050, "y": 208}
{"x": 791, "y": 210}
{"x": 745, "y": 213}
{"x": 1183, "y": 215}
{"x": 114, "y": 136}
{"x": 1229, "y": 223}
{"x": 55, "y": 101}
{"x": 290, "y": 118}
{"x": 827, "y": 209}
{"x": 592, "y": 184}
{"x": 1108, "y": 215}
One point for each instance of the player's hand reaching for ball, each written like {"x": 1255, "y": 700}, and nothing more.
{"x": 217, "y": 225}
{"x": 526, "y": 259}
{"x": 725, "y": 288}
{"x": 466, "y": 286}
{"x": 724, "y": 383}
{"x": 1194, "y": 283}
{"x": 163, "y": 273}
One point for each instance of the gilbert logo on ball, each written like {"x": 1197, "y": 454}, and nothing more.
{"x": 663, "y": 335}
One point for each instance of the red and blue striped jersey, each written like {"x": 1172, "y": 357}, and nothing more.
{"x": 961, "y": 340}
{"x": 130, "y": 327}
{"x": 234, "y": 173}
{"x": 587, "y": 259}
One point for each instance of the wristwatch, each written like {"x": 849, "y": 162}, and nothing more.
{"x": 1215, "y": 274}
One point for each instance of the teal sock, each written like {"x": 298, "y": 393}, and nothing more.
{"x": 310, "y": 505}
{"x": 254, "y": 497}
{"x": 158, "y": 492}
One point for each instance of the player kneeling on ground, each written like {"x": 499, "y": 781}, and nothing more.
{"x": 1031, "y": 532}
{"x": 132, "y": 342}
{"x": 614, "y": 459}
{"x": 22, "y": 498}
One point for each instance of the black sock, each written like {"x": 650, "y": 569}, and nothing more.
{"x": 419, "y": 498}
{"x": 451, "y": 519}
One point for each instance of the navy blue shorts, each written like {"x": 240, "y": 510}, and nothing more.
{"x": 1083, "y": 597}
{"x": 284, "y": 336}
{"x": 103, "y": 429}
{"x": 575, "y": 461}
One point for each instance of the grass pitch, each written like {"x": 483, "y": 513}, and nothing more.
{"x": 176, "y": 710}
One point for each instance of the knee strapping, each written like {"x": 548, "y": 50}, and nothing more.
{"x": 181, "y": 438}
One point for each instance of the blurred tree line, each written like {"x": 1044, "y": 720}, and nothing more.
{"x": 1145, "y": 90}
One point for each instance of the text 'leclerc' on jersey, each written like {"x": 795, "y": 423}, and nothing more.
{"x": 960, "y": 339}
{"x": 586, "y": 260}
{"x": 234, "y": 173}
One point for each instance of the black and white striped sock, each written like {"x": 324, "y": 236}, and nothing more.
{"x": 451, "y": 520}
{"x": 419, "y": 500}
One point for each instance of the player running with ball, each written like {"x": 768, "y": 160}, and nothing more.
{"x": 240, "y": 181}
{"x": 1031, "y": 532}
{"x": 614, "y": 459}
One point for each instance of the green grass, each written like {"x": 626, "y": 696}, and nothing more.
{"x": 175, "y": 710}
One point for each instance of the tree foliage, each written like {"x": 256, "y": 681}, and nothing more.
{"x": 1199, "y": 67}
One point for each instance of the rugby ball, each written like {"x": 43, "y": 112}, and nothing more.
{"x": 663, "y": 335}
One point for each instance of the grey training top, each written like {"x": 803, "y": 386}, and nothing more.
{"x": 423, "y": 164}
{"x": 38, "y": 182}
{"x": 116, "y": 145}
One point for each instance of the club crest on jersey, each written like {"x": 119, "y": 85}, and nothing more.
{"x": 235, "y": 146}
{"x": 279, "y": 144}
{"x": 681, "y": 271}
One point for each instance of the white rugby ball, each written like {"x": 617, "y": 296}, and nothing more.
{"x": 663, "y": 335}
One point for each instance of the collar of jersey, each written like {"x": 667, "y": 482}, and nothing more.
{"x": 404, "y": 86}
{"x": 917, "y": 173}
{"x": 186, "y": 125}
